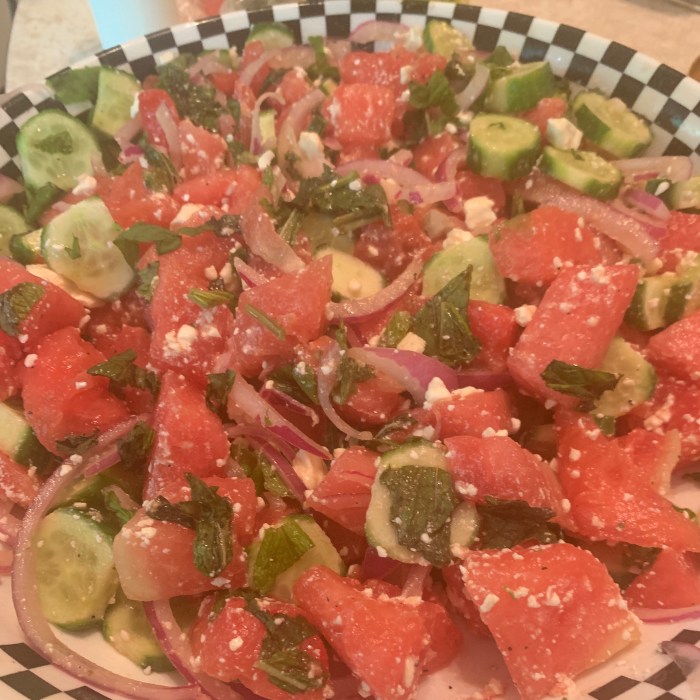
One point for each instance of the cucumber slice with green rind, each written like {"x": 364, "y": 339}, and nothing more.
{"x": 684, "y": 195}
{"x": 272, "y": 35}
{"x": 636, "y": 384}
{"x": 55, "y": 147}
{"x": 442, "y": 38}
{"x": 520, "y": 88}
{"x": 11, "y": 223}
{"x": 18, "y": 440}
{"x": 115, "y": 95}
{"x": 610, "y": 124}
{"x": 486, "y": 281}
{"x": 26, "y": 247}
{"x": 648, "y": 309}
{"x": 75, "y": 574}
{"x": 99, "y": 267}
{"x": 585, "y": 171}
{"x": 502, "y": 146}
{"x": 352, "y": 278}
{"x": 127, "y": 629}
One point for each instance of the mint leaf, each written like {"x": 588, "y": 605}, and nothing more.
{"x": 74, "y": 250}
{"x": 297, "y": 380}
{"x": 209, "y": 515}
{"x": 350, "y": 374}
{"x": 121, "y": 371}
{"x": 114, "y": 506}
{"x": 161, "y": 175}
{"x": 262, "y": 318}
{"x": 135, "y": 448}
{"x": 218, "y": 388}
{"x": 16, "y": 304}
{"x": 39, "y": 200}
{"x": 281, "y": 547}
{"x": 422, "y": 501}
{"x": 210, "y": 298}
{"x": 259, "y": 468}
{"x": 77, "y": 444}
{"x": 75, "y": 84}
{"x": 503, "y": 524}
{"x": 573, "y": 380}
{"x": 148, "y": 278}
{"x": 396, "y": 329}
{"x": 321, "y": 67}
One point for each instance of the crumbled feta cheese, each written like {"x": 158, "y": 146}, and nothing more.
{"x": 266, "y": 159}
{"x": 456, "y": 236}
{"x": 561, "y": 133}
{"x": 524, "y": 314}
{"x": 436, "y": 391}
{"x": 86, "y": 185}
{"x": 411, "y": 342}
{"x": 311, "y": 145}
{"x": 309, "y": 468}
{"x": 405, "y": 74}
{"x": 479, "y": 213}
{"x": 489, "y": 602}
{"x": 30, "y": 360}
{"x": 187, "y": 211}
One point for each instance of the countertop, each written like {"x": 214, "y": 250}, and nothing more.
{"x": 48, "y": 35}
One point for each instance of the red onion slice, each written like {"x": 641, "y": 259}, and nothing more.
{"x": 207, "y": 64}
{"x": 415, "y": 581}
{"x": 484, "y": 379}
{"x": 632, "y": 235}
{"x": 674, "y": 168}
{"x": 275, "y": 396}
{"x": 687, "y": 657}
{"x": 413, "y": 370}
{"x": 243, "y": 399}
{"x": 407, "y": 178}
{"x": 286, "y": 471}
{"x": 249, "y": 274}
{"x": 665, "y": 615}
{"x": 128, "y": 132}
{"x": 647, "y": 203}
{"x": 262, "y": 239}
{"x": 8, "y": 188}
{"x": 177, "y": 648}
{"x": 368, "y": 306}
{"x": 168, "y": 124}
{"x": 430, "y": 194}
{"x": 260, "y": 434}
{"x": 251, "y": 70}
{"x": 475, "y": 87}
{"x": 325, "y": 378}
{"x": 374, "y": 566}
{"x": 378, "y": 30}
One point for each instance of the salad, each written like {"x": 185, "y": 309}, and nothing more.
{"x": 312, "y": 358}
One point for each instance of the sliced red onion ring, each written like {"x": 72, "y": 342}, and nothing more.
{"x": 687, "y": 657}
{"x": 475, "y": 87}
{"x": 666, "y": 615}
{"x": 256, "y": 143}
{"x": 275, "y": 396}
{"x": 131, "y": 154}
{"x": 105, "y": 454}
{"x": 260, "y": 434}
{"x": 403, "y": 157}
{"x": 8, "y": 188}
{"x": 286, "y": 471}
{"x": 412, "y": 370}
{"x": 674, "y": 168}
{"x": 430, "y": 194}
{"x": 368, "y": 306}
{"x": 325, "y": 378}
{"x": 33, "y": 623}
{"x": 128, "y": 132}
{"x": 177, "y": 648}
{"x": 262, "y": 239}
{"x": 291, "y": 127}
{"x": 415, "y": 581}
{"x": 374, "y": 566}
{"x": 251, "y": 70}
{"x": 484, "y": 379}
{"x": 636, "y": 238}
{"x": 447, "y": 172}
{"x": 339, "y": 48}
{"x": 407, "y": 178}
{"x": 207, "y": 64}
{"x": 647, "y": 203}
{"x": 227, "y": 125}
{"x": 167, "y": 123}
{"x": 249, "y": 274}
{"x": 378, "y": 30}
{"x": 656, "y": 228}
{"x": 243, "y": 399}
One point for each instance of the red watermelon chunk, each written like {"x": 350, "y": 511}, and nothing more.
{"x": 234, "y": 189}
{"x": 344, "y": 493}
{"x": 499, "y": 467}
{"x": 575, "y": 322}
{"x": 553, "y": 611}
{"x": 533, "y": 248}
{"x": 672, "y": 581}
{"x": 361, "y": 114}
{"x": 54, "y": 310}
{"x": 201, "y": 150}
{"x": 186, "y": 337}
{"x": 189, "y": 438}
{"x": 473, "y": 413}
{"x": 295, "y": 302}
{"x": 494, "y": 326}
{"x": 385, "y": 641}
{"x": 676, "y": 349}
{"x": 17, "y": 483}
{"x": 608, "y": 499}
{"x": 652, "y": 456}
{"x": 154, "y": 560}
{"x": 10, "y": 355}
{"x": 60, "y": 398}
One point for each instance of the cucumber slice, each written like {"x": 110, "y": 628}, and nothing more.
{"x": 18, "y": 441}
{"x": 636, "y": 384}
{"x": 521, "y": 88}
{"x": 115, "y": 95}
{"x": 46, "y": 273}
{"x": 268, "y": 129}
{"x": 585, "y": 171}
{"x": 352, "y": 278}
{"x": 11, "y": 223}
{"x": 75, "y": 573}
{"x": 648, "y": 309}
{"x": 380, "y": 530}
{"x": 55, "y": 147}
{"x": 26, "y": 247}
{"x": 486, "y": 283}
{"x": 684, "y": 196}
{"x": 273, "y": 35}
{"x": 610, "y": 124}
{"x": 323, "y": 553}
{"x": 442, "y": 38}
{"x": 502, "y": 146}
{"x": 127, "y": 629}
{"x": 100, "y": 268}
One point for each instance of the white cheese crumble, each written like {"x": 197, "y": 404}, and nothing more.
{"x": 266, "y": 159}
{"x": 561, "y": 133}
{"x": 489, "y": 603}
{"x": 524, "y": 314}
{"x": 86, "y": 186}
{"x": 309, "y": 468}
{"x": 411, "y": 342}
{"x": 478, "y": 213}
{"x": 436, "y": 391}
{"x": 311, "y": 145}
{"x": 456, "y": 236}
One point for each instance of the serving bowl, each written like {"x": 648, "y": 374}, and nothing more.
{"x": 669, "y": 100}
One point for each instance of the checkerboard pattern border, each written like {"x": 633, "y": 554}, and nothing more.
{"x": 668, "y": 99}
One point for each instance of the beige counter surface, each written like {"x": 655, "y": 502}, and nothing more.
{"x": 48, "y": 35}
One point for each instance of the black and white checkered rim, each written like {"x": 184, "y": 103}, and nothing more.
{"x": 667, "y": 98}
